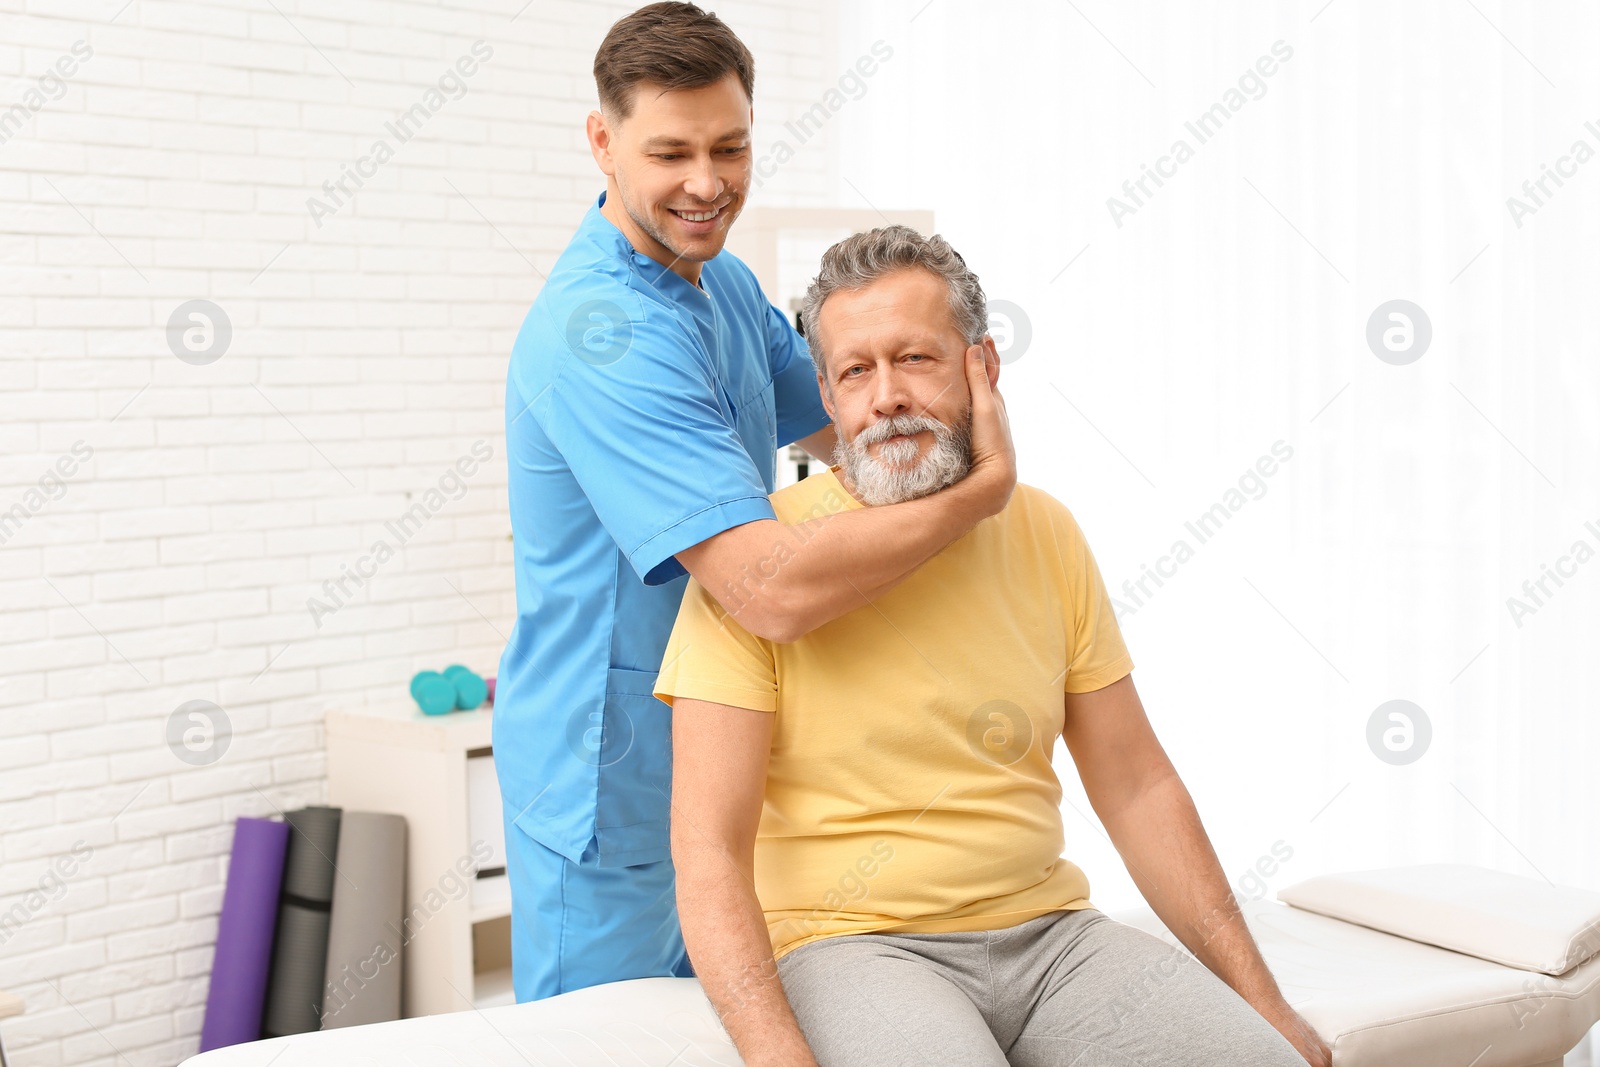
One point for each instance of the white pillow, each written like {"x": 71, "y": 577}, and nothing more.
{"x": 1521, "y": 922}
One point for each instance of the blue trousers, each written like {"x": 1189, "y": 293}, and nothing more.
{"x": 575, "y": 925}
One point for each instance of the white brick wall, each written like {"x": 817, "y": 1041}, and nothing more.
{"x": 367, "y": 356}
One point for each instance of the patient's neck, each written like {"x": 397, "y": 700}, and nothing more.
{"x": 849, "y": 486}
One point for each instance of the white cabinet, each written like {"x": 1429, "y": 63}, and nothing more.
{"x": 437, "y": 771}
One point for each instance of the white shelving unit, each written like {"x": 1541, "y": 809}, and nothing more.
{"x": 438, "y": 772}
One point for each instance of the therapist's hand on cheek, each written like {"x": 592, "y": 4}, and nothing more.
{"x": 994, "y": 457}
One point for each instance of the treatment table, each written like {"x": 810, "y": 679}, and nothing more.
{"x": 1440, "y": 965}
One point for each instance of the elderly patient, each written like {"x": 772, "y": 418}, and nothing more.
{"x": 866, "y": 824}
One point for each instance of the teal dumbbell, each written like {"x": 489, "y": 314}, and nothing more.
{"x": 434, "y": 693}
{"x": 471, "y": 690}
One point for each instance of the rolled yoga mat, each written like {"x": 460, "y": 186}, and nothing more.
{"x": 244, "y": 934}
{"x": 365, "y": 935}
{"x": 300, "y": 955}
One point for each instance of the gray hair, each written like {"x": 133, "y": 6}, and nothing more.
{"x": 863, "y": 258}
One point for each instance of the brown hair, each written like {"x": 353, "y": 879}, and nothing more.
{"x": 673, "y": 45}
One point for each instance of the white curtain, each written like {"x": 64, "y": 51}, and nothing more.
{"x": 1229, "y": 312}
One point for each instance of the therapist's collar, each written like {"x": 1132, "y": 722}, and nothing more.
{"x": 642, "y": 259}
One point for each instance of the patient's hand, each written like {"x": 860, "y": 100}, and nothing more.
{"x": 994, "y": 459}
{"x": 1291, "y": 1025}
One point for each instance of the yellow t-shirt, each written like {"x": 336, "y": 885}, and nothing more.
{"x": 909, "y": 785}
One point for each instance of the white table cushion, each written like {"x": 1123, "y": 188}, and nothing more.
{"x": 1378, "y": 1000}
{"x": 648, "y": 1022}
{"x": 1382, "y": 1001}
{"x": 1521, "y": 922}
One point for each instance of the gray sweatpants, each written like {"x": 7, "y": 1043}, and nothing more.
{"x": 1070, "y": 987}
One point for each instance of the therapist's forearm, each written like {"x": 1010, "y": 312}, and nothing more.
{"x": 821, "y": 444}
{"x": 728, "y": 944}
{"x": 1165, "y": 847}
{"x": 815, "y": 571}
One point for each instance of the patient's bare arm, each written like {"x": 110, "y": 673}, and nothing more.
{"x": 1152, "y": 821}
{"x": 719, "y": 770}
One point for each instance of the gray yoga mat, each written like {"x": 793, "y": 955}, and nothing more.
{"x": 365, "y": 938}
{"x": 300, "y": 953}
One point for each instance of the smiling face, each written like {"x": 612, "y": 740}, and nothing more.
{"x": 678, "y": 169}
{"x": 895, "y": 383}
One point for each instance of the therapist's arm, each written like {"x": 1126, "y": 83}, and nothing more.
{"x": 781, "y": 583}
{"x": 1151, "y": 819}
{"x": 719, "y": 772}
{"x": 820, "y": 445}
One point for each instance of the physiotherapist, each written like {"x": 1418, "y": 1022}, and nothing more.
{"x": 649, "y": 389}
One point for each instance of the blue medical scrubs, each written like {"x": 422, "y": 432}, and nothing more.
{"x": 643, "y": 415}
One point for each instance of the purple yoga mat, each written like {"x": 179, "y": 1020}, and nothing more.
{"x": 244, "y": 934}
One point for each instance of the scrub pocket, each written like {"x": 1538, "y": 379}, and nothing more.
{"x": 634, "y": 757}
{"x": 755, "y": 420}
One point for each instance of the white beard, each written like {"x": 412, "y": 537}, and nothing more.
{"x": 884, "y": 479}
